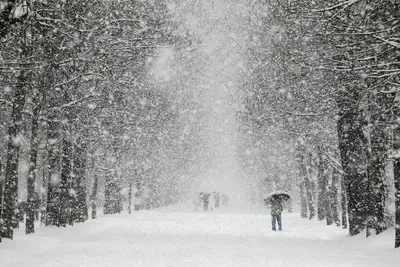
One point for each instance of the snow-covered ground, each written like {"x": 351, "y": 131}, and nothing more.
{"x": 178, "y": 236}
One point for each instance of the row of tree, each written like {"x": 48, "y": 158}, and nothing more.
{"x": 78, "y": 112}
{"x": 326, "y": 76}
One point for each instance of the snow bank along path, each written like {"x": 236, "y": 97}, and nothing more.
{"x": 168, "y": 237}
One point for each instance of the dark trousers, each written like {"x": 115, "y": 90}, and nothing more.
{"x": 276, "y": 218}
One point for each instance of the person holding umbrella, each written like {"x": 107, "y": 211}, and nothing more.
{"x": 275, "y": 202}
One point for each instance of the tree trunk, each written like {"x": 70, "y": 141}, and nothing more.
{"x": 328, "y": 207}
{"x": 303, "y": 197}
{"x": 130, "y": 198}
{"x": 396, "y": 174}
{"x": 302, "y": 175}
{"x": 377, "y": 188}
{"x": 10, "y": 194}
{"x": 377, "y": 156}
{"x": 65, "y": 186}
{"x": 31, "y": 199}
{"x": 334, "y": 196}
{"x": 53, "y": 194}
{"x": 43, "y": 202}
{"x": 322, "y": 184}
{"x": 343, "y": 203}
{"x": 1, "y": 193}
{"x": 93, "y": 197}
{"x": 352, "y": 153}
{"x": 309, "y": 189}
{"x": 112, "y": 194}
{"x": 397, "y": 202}
{"x": 81, "y": 209}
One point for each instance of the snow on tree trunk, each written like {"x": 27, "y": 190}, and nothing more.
{"x": 130, "y": 198}
{"x": 112, "y": 194}
{"x": 334, "y": 196}
{"x": 397, "y": 200}
{"x": 310, "y": 187}
{"x": 1, "y": 191}
{"x": 303, "y": 199}
{"x": 343, "y": 203}
{"x": 377, "y": 156}
{"x": 93, "y": 197}
{"x": 80, "y": 206}
{"x": 65, "y": 207}
{"x": 31, "y": 199}
{"x": 53, "y": 148}
{"x": 8, "y": 220}
{"x": 302, "y": 171}
{"x": 396, "y": 174}
{"x": 302, "y": 161}
{"x": 352, "y": 153}
{"x": 322, "y": 184}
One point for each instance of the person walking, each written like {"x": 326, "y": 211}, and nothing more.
{"x": 276, "y": 207}
{"x": 206, "y": 200}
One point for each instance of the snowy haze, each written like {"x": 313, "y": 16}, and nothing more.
{"x": 210, "y": 70}
{"x": 153, "y": 133}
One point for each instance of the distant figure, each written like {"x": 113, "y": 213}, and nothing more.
{"x": 136, "y": 201}
{"x": 276, "y": 207}
{"x": 217, "y": 199}
{"x": 206, "y": 200}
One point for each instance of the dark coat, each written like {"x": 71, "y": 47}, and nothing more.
{"x": 275, "y": 206}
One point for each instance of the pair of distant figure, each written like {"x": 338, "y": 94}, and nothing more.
{"x": 211, "y": 200}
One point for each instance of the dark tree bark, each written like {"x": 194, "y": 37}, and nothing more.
{"x": 10, "y": 194}
{"x": 322, "y": 184}
{"x": 324, "y": 201}
{"x": 397, "y": 198}
{"x": 130, "y": 198}
{"x": 334, "y": 196}
{"x": 65, "y": 185}
{"x": 352, "y": 153}
{"x": 302, "y": 174}
{"x": 53, "y": 194}
{"x": 1, "y": 192}
{"x": 80, "y": 208}
{"x": 93, "y": 197}
{"x": 343, "y": 203}
{"x": 31, "y": 198}
{"x": 309, "y": 189}
{"x": 396, "y": 173}
{"x": 43, "y": 198}
{"x": 377, "y": 156}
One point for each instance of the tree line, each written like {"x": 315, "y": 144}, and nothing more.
{"x": 325, "y": 76}
{"x": 81, "y": 121}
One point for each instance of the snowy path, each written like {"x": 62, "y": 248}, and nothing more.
{"x": 170, "y": 238}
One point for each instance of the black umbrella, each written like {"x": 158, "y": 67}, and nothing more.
{"x": 278, "y": 195}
